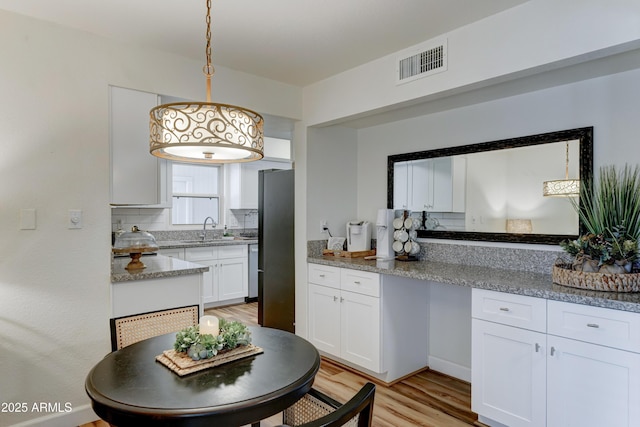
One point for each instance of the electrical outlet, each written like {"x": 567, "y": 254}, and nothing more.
{"x": 323, "y": 226}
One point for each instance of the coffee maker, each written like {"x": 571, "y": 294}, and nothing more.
{"x": 358, "y": 236}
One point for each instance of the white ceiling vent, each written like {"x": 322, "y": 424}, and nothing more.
{"x": 422, "y": 61}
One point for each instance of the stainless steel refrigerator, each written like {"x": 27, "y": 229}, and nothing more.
{"x": 276, "y": 273}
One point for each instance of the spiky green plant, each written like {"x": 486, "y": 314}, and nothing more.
{"x": 612, "y": 204}
{"x": 610, "y": 212}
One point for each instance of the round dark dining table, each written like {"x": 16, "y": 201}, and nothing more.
{"x": 129, "y": 388}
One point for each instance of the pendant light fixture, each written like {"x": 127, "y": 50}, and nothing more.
{"x": 205, "y": 132}
{"x": 562, "y": 187}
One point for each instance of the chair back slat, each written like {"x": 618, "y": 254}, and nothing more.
{"x": 128, "y": 330}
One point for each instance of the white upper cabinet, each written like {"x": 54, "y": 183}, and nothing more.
{"x": 137, "y": 177}
{"x": 242, "y": 181}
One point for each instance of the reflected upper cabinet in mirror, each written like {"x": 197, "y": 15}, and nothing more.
{"x": 493, "y": 191}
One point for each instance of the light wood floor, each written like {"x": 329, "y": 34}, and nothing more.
{"x": 428, "y": 399}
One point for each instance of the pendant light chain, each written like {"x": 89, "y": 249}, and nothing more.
{"x": 206, "y": 132}
{"x": 208, "y": 69}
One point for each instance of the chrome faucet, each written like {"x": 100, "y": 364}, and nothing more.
{"x": 204, "y": 227}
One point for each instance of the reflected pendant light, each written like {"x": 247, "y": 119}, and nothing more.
{"x": 562, "y": 187}
{"x": 204, "y": 132}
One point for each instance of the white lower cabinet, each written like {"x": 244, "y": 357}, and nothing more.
{"x": 228, "y": 275}
{"x": 371, "y": 322}
{"x": 508, "y": 361}
{"x": 345, "y": 323}
{"x": 508, "y": 374}
{"x": 572, "y": 375}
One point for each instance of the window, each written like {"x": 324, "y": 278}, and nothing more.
{"x": 196, "y": 193}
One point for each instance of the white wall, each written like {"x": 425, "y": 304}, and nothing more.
{"x": 54, "y": 282}
{"x": 523, "y": 40}
{"x": 332, "y": 186}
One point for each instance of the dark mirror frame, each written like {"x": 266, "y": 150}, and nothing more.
{"x": 584, "y": 135}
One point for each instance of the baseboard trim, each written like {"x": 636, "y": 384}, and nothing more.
{"x": 80, "y": 415}
{"x": 449, "y": 368}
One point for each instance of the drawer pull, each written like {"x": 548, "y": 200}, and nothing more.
{"x": 553, "y": 350}
{"x": 593, "y": 325}
{"x": 321, "y": 275}
{"x": 341, "y": 299}
{"x": 504, "y": 309}
{"x": 335, "y": 298}
{"x": 356, "y": 282}
{"x": 537, "y": 348}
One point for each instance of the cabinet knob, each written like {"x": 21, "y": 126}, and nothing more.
{"x": 504, "y": 309}
{"x": 341, "y": 299}
{"x": 321, "y": 275}
{"x": 553, "y": 350}
{"x": 537, "y": 348}
{"x": 335, "y": 298}
{"x": 356, "y": 282}
{"x": 593, "y": 325}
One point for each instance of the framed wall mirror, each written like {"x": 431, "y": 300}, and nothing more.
{"x": 493, "y": 191}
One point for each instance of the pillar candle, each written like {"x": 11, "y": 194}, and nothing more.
{"x": 210, "y": 325}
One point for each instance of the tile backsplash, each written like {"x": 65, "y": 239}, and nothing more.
{"x": 148, "y": 219}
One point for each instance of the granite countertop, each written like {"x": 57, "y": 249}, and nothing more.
{"x": 157, "y": 266}
{"x": 174, "y": 244}
{"x": 510, "y": 281}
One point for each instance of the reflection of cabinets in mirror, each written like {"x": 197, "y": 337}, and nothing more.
{"x": 432, "y": 185}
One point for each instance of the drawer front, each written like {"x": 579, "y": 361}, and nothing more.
{"x": 324, "y": 275}
{"x": 232, "y": 251}
{"x": 201, "y": 253}
{"x": 510, "y": 309}
{"x": 597, "y": 325}
{"x": 362, "y": 282}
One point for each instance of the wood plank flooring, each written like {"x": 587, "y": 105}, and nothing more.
{"x": 427, "y": 399}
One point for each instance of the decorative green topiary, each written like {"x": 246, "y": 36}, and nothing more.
{"x": 204, "y": 346}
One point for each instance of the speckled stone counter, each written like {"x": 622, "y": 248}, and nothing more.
{"x": 157, "y": 266}
{"x": 511, "y": 281}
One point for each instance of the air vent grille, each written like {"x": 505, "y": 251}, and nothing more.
{"x": 424, "y": 63}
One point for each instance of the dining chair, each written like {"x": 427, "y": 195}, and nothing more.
{"x": 316, "y": 409}
{"x": 127, "y": 330}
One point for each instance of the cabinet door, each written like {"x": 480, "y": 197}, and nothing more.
{"x": 137, "y": 177}
{"x": 591, "y": 385}
{"x": 420, "y": 192}
{"x": 508, "y": 374}
{"x": 324, "y": 318}
{"x": 233, "y": 278}
{"x": 206, "y": 255}
{"x": 360, "y": 328}
{"x": 209, "y": 281}
{"x": 442, "y": 185}
{"x": 401, "y": 186}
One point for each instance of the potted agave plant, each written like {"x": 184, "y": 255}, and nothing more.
{"x": 610, "y": 213}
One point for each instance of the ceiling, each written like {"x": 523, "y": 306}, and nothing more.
{"x": 298, "y": 42}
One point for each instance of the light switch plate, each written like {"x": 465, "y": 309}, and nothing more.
{"x": 27, "y": 219}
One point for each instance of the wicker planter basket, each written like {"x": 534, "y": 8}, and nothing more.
{"x": 562, "y": 274}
